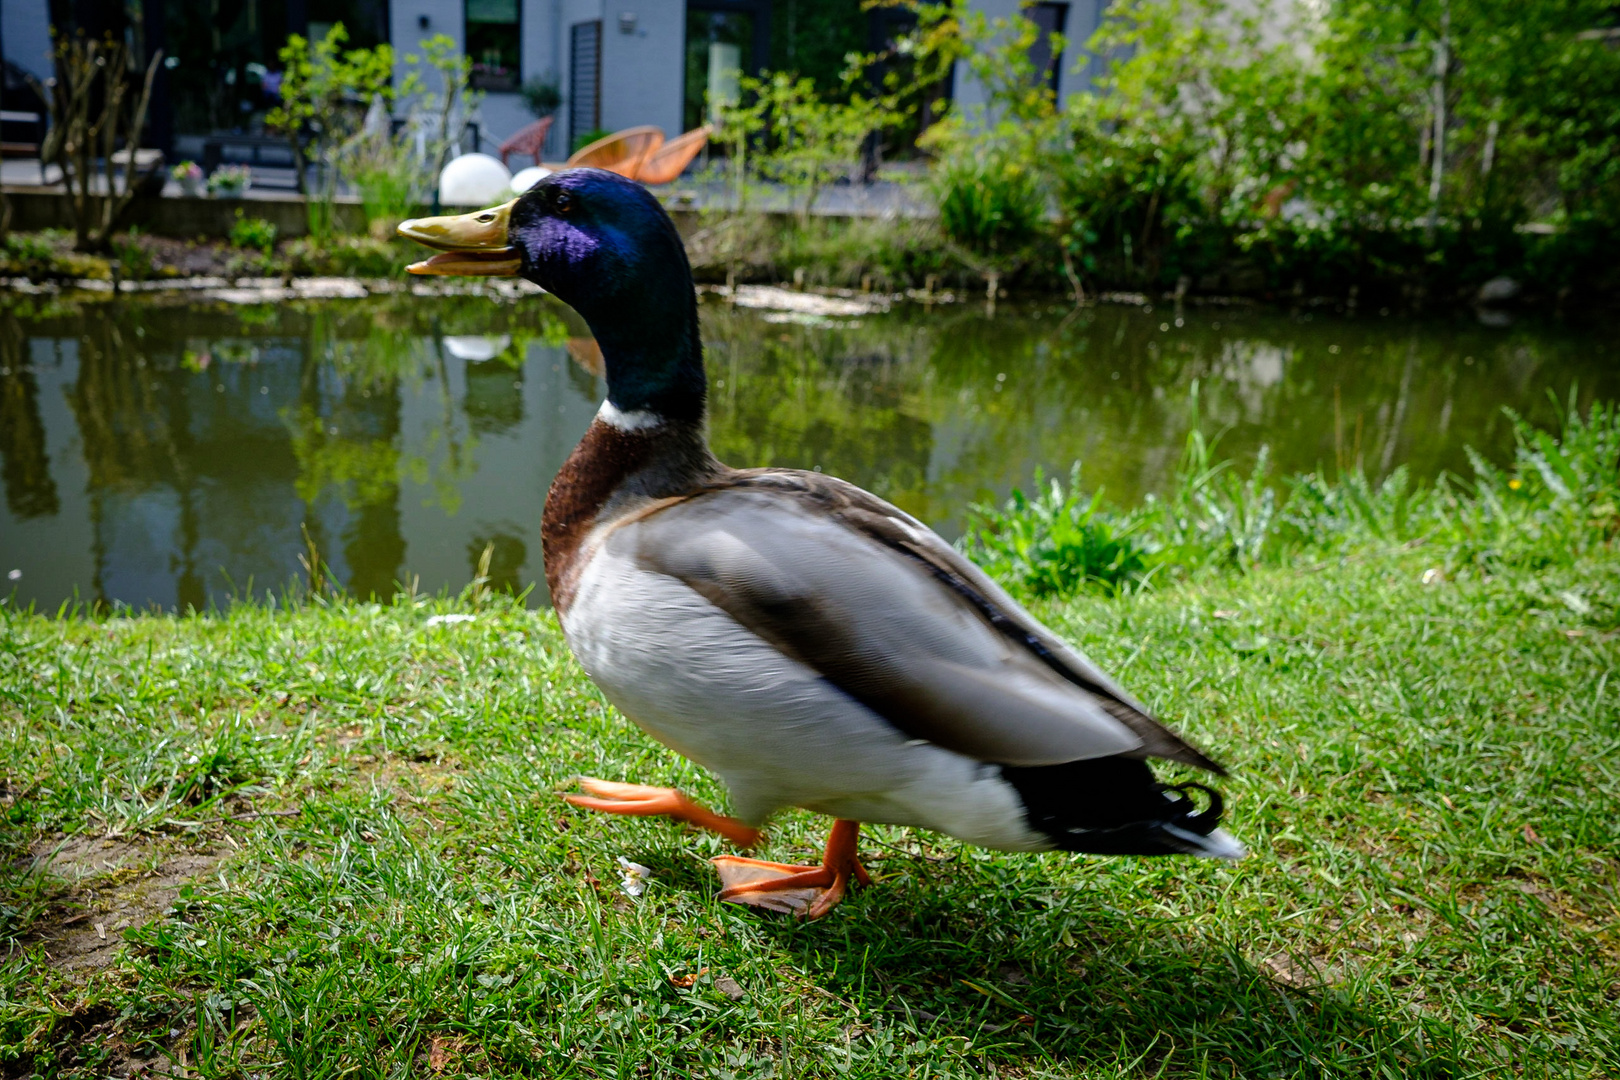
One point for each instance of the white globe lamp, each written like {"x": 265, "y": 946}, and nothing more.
{"x": 473, "y": 180}
{"x": 527, "y": 178}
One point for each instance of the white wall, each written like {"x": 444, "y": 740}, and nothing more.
{"x": 543, "y": 38}
{"x": 642, "y": 71}
{"x": 405, "y": 31}
{"x": 499, "y": 115}
{"x": 26, "y": 27}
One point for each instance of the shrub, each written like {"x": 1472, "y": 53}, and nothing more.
{"x": 134, "y": 261}
{"x": 541, "y": 97}
{"x": 97, "y": 101}
{"x": 28, "y": 250}
{"x": 990, "y": 206}
{"x": 1056, "y": 543}
{"x": 254, "y": 233}
{"x": 1269, "y": 146}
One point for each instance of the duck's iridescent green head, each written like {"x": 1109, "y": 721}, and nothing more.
{"x": 602, "y": 244}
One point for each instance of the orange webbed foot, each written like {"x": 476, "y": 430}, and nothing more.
{"x": 810, "y": 891}
{"x": 641, "y": 800}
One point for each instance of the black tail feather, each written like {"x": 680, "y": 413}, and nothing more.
{"x": 1114, "y": 806}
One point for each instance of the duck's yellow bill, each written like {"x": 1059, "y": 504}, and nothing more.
{"x": 470, "y": 245}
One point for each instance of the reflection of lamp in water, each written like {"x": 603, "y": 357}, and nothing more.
{"x": 725, "y": 71}
{"x": 477, "y": 347}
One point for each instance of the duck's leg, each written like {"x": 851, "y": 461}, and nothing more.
{"x": 644, "y": 801}
{"x": 811, "y": 891}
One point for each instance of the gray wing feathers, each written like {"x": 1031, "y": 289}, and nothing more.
{"x": 877, "y": 623}
{"x": 1157, "y": 740}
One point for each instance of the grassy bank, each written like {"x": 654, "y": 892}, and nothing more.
{"x": 321, "y": 838}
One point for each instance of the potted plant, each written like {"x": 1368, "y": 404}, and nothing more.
{"x": 542, "y": 97}
{"x": 229, "y": 181}
{"x": 189, "y": 175}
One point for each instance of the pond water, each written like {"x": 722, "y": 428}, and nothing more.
{"x": 168, "y": 454}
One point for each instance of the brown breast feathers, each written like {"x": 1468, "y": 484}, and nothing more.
{"x": 596, "y": 468}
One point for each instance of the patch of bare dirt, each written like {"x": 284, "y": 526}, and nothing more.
{"x": 1301, "y": 972}
{"x": 110, "y": 886}
{"x": 188, "y": 258}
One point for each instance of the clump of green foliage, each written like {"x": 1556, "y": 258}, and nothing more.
{"x": 1558, "y": 501}
{"x": 886, "y": 254}
{"x": 786, "y": 130}
{"x": 990, "y": 210}
{"x": 1057, "y": 542}
{"x": 337, "y": 108}
{"x": 255, "y": 233}
{"x": 349, "y": 256}
{"x": 806, "y": 140}
{"x": 541, "y": 96}
{"x": 51, "y": 255}
{"x": 1411, "y": 150}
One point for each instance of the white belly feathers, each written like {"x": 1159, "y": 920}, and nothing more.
{"x": 776, "y": 731}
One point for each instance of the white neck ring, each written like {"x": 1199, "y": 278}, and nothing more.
{"x": 635, "y": 420}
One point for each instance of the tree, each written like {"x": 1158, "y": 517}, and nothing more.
{"x": 326, "y": 92}
{"x": 97, "y": 105}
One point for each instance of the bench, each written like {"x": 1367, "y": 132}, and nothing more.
{"x": 262, "y": 150}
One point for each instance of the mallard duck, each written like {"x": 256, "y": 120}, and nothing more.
{"x": 808, "y": 642}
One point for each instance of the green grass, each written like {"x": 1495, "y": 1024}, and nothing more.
{"x": 326, "y": 838}
{"x": 1425, "y": 775}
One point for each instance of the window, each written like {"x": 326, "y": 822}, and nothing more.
{"x": 718, "y": 48}
{"x": 584, "y": 80}
{"x": 493, "y": 40}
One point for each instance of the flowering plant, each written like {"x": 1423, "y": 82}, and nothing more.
{"x": 187, "y": 172}
{"x": 229, "y": 180}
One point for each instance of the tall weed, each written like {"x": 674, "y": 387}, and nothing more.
{"x": 1557, "y": 501}
{"x": 1058, "y": 542}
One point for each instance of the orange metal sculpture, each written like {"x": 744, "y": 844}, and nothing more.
{"x": 670, "y": 160}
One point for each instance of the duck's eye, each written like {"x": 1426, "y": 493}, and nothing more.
{"x": 563, "y": 202}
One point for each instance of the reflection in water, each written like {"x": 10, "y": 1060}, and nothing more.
{"x": 491, "y": 405}
{"x": 24, "y": 464}
{"x": 476, "y": 346}
{"x": 935, "y": 411}
{"x": 176, "y": 455}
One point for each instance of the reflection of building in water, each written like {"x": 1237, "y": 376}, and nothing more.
{"x": 484, "y": 438}
{"x": 24, "y": 462}
{"x": 493, "y": 403}
{"x": 194, "y": 475}
{"x": 176, "y": 457}
{"x": 345, "y": 436}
